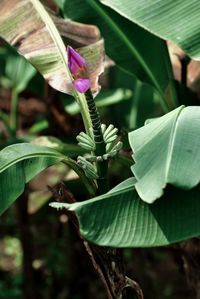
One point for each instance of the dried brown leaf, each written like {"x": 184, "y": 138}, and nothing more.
{"x": 193, "y": 69}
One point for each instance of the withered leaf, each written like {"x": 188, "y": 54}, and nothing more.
{"x": 36, "y": 33}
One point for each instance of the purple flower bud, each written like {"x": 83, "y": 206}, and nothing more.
{"x": 77, "y": 67}
{"x": 76, "y": 62}
{"x": 81, "y": 85}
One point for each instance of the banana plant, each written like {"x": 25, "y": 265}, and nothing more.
{"x": 158, "y": 205}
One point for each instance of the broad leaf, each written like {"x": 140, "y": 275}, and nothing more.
{"x": 71, "y": 150}
{"x": 19, "y": 163}
{"x": 167, "y": 151}
{"x": 174, "y": 20}
{"x": 131, "y": 47}
{"x": 28, "y": 26}
{"x": 121, "y": 219}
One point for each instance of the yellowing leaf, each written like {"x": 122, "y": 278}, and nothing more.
{"x": 36, "y": 33}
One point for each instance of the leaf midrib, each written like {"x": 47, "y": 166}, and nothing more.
{"x": 53, "y": 32}
{"x": 30, "y": 156}
{"x": 63, "y": 54}
{"x": 75, "y": 206}
{"x": 171, "y": 143}
{"x": 128, "y": 43}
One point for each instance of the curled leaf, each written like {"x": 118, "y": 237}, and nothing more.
{"x": 36, "y": 33}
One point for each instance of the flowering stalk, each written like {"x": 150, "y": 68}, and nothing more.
{"x": 100, "y": 150}
{"x": 81, "y": 83}
{"x": 79, "y": 97}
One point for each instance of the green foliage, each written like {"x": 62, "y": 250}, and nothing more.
{"x": 126, "y": 43}
{"x": 70, "y": 150}
{"x": 174, "y": 20}
{"x": 159, "y": 205}
{"x": 18, "y": 72}
{"x": 166, "y": 151}
{"x": 19, "y": 163}
{"x": 103, "y": 99}
{"x": 121, "y": 219}
{"x": 142, "y": 104}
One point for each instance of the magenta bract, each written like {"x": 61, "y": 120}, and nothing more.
{"x": 77, "y": 67}
{"x": 75, "y": 61}
{"x": 81, "y": 85}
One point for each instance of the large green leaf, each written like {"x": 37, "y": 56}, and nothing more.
{"x": 19, "y": 163}
{"x": 131, "y": 47}
{"x": 167, "y": 151}
{"x": 68, "y": 149}
{"x": 178, "y": 20}
{"x": 121, "y": 219}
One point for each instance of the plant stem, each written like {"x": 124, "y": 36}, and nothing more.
{"x": 102, "y": 166}
{"x": 5, "y": 119}
{"x": 184, "y": 63}
{"x": 14, "y": 111}
{"x": 81, "y": 100}
{"x": 87, "y": 182}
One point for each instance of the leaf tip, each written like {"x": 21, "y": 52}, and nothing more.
{"x": 59, "y": 205}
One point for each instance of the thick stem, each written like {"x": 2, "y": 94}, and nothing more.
{"x": 87, "y": 182}
{"x": 81, "y": 100}
{"x": 108, "y": 262}
{"x": 102, "y": 166}
{"x": 184, "y": 63}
